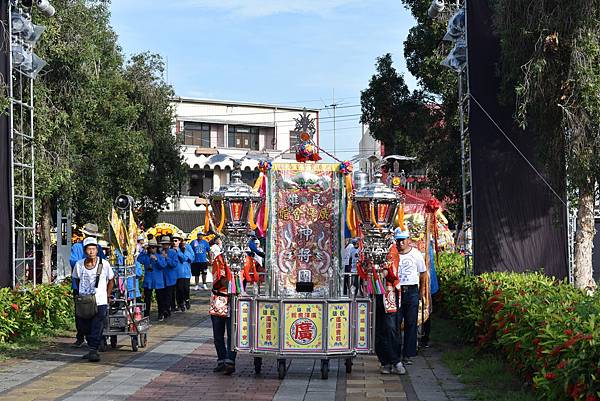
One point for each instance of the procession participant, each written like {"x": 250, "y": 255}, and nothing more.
{"x": 200, "y": 265}
{"x": 139, "y": 247}
{"x": 185, "y": 255}
{"x": 350, "y": 260}
{"x": 170, "y": 274}
{"x": 94, "y": 277}
{"x": 250, "y": 271}
{"x": 260, "y": 260}
{"x": 434, "y": 288}
{"x": 387, "y": 339}
{"x": 252, "y": 244}
{"x": 412, "y": 275}
{"x": 219, "y": 310}
{"x": 77, "y": 253}
{"x": 154, "y": 264}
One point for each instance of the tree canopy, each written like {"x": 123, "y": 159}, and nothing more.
{"x": 103, "y": 125}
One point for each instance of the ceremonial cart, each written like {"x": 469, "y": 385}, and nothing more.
{"x": 298, "y": 311}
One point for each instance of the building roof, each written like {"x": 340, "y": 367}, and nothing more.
{"x": 236, "y": 103}
{"x": 185, "y": 220}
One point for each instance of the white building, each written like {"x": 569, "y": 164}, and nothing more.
{"x": 369, "y": 148}
{"x": 208, "y": 127}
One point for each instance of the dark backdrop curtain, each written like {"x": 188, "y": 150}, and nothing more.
{"x": 518, "y": 223}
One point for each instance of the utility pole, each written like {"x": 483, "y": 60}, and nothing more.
{"x": 333, "y": 105}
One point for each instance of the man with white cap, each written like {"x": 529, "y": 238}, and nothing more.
{"x": 89, "y": 230}
{"x": 93, "y": 277}
{"x": 412, "y": 275}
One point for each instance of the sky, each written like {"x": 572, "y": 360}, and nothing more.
{"x": 284, "y": 52}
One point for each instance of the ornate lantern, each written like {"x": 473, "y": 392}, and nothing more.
{"x": 376, "y": 205}
{"x": 234, "y": 206}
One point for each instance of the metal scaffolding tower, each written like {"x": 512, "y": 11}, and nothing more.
{"x": 22, "y": 163}
{"x": 464, "y": 96}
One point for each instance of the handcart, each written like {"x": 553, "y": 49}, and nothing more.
{"x": 125, "y": 315}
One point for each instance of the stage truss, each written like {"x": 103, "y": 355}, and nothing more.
{"x": 22, "y": 164}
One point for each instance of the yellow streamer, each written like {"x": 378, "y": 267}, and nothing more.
{"x": 401, "y": 217}
{"x": 251, "y": 220}
{"x": 373, "y": 219}
{"x": 206, "y": 220}
{"x": 222, "y": 222}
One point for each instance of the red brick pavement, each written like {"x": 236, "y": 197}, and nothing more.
{"x": 192, "y": 378}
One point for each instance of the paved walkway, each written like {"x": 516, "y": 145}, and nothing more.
{"x": 177, "y": 365}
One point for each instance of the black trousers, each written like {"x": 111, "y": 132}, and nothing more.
{"x": 170, "y": 298}
{"x": 160, "y": 301}
{"x": 183, "y": 291}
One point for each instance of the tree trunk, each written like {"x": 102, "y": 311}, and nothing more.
{"x": 584, "y": 237}
{"x": 46, "y": 226}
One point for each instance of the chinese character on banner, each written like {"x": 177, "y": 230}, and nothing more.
{"x": 305, "y": 232}
{"x": 317, "y": 200}
{"x": 303, "y": 331}
{"x": 304, "y": 255}
{"x": 324, "y": 214}
{"x": 294, "y": 200}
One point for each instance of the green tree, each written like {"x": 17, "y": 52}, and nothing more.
{"x": 166, "y": 170}
{"x": 550, "y": 65}
{"x": 418, "y": 123}
{"x": 101, "y": 127}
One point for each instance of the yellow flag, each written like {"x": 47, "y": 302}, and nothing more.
{"x": 120, "y": 233}
{"x": 132, "y": 234}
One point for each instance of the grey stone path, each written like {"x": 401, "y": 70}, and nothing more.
{"x": 20, "y": 373}
{"x": 432, "y": 380}
{"x": 303, "y": 382}
{"x": 125, "y": 381}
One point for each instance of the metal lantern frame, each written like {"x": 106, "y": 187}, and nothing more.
{"x": 234, "y": 204}
{"x": 376, "y": 205}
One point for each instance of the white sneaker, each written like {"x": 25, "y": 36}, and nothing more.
{"x": 204, "y": 286}
{"x": 196, "y": 288}
{"x": 399, "y": 369}
{"x": 385, "y": 369}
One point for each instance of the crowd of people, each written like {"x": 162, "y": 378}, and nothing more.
{"x": 167, "y": 264}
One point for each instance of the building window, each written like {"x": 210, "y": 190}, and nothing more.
{"x": 200, "y": 181}
{"x": 244, "y": 137}
{"x": 196, "y": 134}
{"x": 249, "y": 177}
{"x": 293, "y": 139}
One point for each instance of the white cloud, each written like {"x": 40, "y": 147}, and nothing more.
{"x": 263, "y": 8}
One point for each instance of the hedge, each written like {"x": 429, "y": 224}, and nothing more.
{"x": 31, "y": 312}
{"x": 548, "y": 331}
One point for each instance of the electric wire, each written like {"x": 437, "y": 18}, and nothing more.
{"x": 517, "y": 149}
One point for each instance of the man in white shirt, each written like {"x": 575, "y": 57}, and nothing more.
{"x": 93, "y": 276}
{"x": 350, "y": 260}
{"x": 412, "y": 275}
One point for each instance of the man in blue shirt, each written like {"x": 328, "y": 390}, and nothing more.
{"x": 200, "y": 246}
{"x": 77, "y": 253}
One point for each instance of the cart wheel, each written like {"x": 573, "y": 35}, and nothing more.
{"x": 103, "y": 347}
{"x": 348, "y": 365}
{"x": 143, "y": 340}
{"x": 113, "y": 341}
{"x": 134, "y": 343}
{"x": 257, "y": 365}
{"x": 281, "y": 368}
{"x": 324, "y": 369}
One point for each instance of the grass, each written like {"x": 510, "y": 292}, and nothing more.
{"x": 486, "y": 376}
